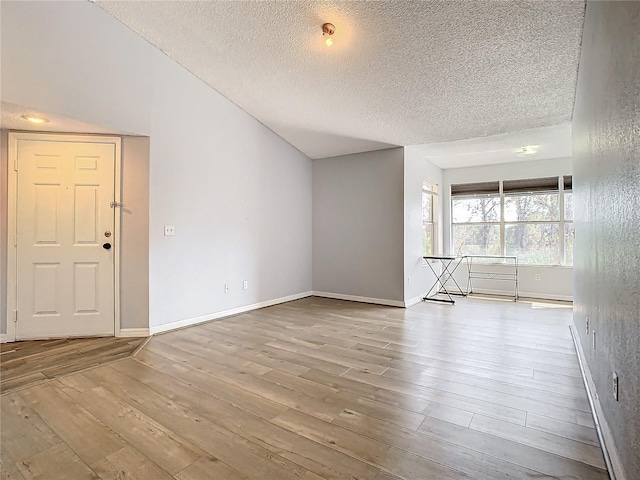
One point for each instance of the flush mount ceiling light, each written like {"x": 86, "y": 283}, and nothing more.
{"x": 526, "y": 151}
{"x": 35, "y": 119}
{"x": 328, "y": 29}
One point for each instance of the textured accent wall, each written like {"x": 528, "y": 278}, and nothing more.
{"x": 606, "y": 137}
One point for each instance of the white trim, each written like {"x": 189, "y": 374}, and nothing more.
{"x": 414, "y": 300}
{"x": 541, "y": 296}
{"x": 355, "y": 298}
{"x": 615, "y": 466}
{"x": 187, "y": 322}
{"x": 4, "y": 338}
{"x": 12, "y": 191}
{"x": 133, "y": 332}
{"x": 117, "y": 224}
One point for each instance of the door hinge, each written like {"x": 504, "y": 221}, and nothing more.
{"x": 15, "y": 164}
{"x": 15, "y": 316}
{"x": 116, "y": 205}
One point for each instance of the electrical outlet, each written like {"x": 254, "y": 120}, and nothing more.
{"x": 169, "y": 230}
{"x": 615, "y": 386}
{"x": 537, "y": 276}
{"x": 245, "y": 284}
{"x": 226, "y": 288}
{"x": 587, "y": 325}
{"x": 594, "y": 339}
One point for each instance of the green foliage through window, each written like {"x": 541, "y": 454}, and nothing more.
{"x": 526, "y": 221}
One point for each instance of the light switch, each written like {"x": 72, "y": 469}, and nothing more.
{"x": 169, "y": 230}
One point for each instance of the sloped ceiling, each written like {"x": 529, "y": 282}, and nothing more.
{"x": 399, "y": 72}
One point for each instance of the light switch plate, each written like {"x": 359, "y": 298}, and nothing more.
{"x": 169, "y": 230}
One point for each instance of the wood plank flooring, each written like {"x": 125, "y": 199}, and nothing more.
{"x": 27, "y": 363}
{"x": 322, "y": 389}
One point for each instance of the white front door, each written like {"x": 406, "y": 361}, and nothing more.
{"x": 64, "y": 239}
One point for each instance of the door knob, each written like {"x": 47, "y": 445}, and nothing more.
{"x": 106, "y": 246}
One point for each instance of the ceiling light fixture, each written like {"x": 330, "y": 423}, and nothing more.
{"x": 328, "y": 29}
{"x": 526, "y": 151}
{"x": 35, "y": 119}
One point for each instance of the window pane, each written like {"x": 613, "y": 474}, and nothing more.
{"x": 536, "y": 244}
{"x": 568, "y": 206}
{"x": 427, "y": 239}
{"x": 476, "y": 240}
{"x": 531, "y": 208}
{"x": 481, "y": 209}
{"x": 569, "y": 234}
{"x": 427, "y": 207}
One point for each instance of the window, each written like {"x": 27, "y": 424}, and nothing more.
{"x": 429, "y": 219}
{"x": 531, "y": 219}
{"x": 475, "y": 213}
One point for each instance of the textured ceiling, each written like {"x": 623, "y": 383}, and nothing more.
{"x": 547, "y": 142}
{"x": 399, "y": 72}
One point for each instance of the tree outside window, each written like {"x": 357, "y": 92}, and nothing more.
{"x": 476, "y": 217}
{"x": 531, "y": 219}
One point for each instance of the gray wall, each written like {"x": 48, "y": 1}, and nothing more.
{"x": 358, "y": 222}
{"x": 606, "y": 138}
{"x": 134, "y": 238}
{"x": 238, "y": 195}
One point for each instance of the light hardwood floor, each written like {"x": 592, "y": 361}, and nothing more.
{"x": 321, "y": 388}
{"x": 28, "y": 363}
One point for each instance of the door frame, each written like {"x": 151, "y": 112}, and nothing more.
{"x": 12, "y": 217}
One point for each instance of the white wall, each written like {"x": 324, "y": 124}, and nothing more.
{"x": 418, "y": 277}
{"x": 358, "y": 226}
{"x": 238, "y": 195}
{"x": 555, "y": 282}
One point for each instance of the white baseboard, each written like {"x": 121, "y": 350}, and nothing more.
{"x": 355, "y": 298}
{"x": 187, "y": 322}
{"x": 4, "y": 338}
{"x": 414, "y": 300}
{"x": 134, "y": 332}
{"x": 611, "y": 457}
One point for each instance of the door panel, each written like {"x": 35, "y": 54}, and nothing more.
{"x": 45, "y": 216}
{"x": 65, "y": 278}
{"x": 86, "y": 215}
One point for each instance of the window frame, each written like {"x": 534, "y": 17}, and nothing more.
{"x": 560, "y": 188}
{"x": 429, "y": 188}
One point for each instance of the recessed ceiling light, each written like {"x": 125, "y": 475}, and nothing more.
{"x": 35, "y": 119}
{"x": 328, "y": 29}
{"x": 527, "y": 150}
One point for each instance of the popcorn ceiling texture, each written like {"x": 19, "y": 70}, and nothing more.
{"x": 399, "y": 73}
